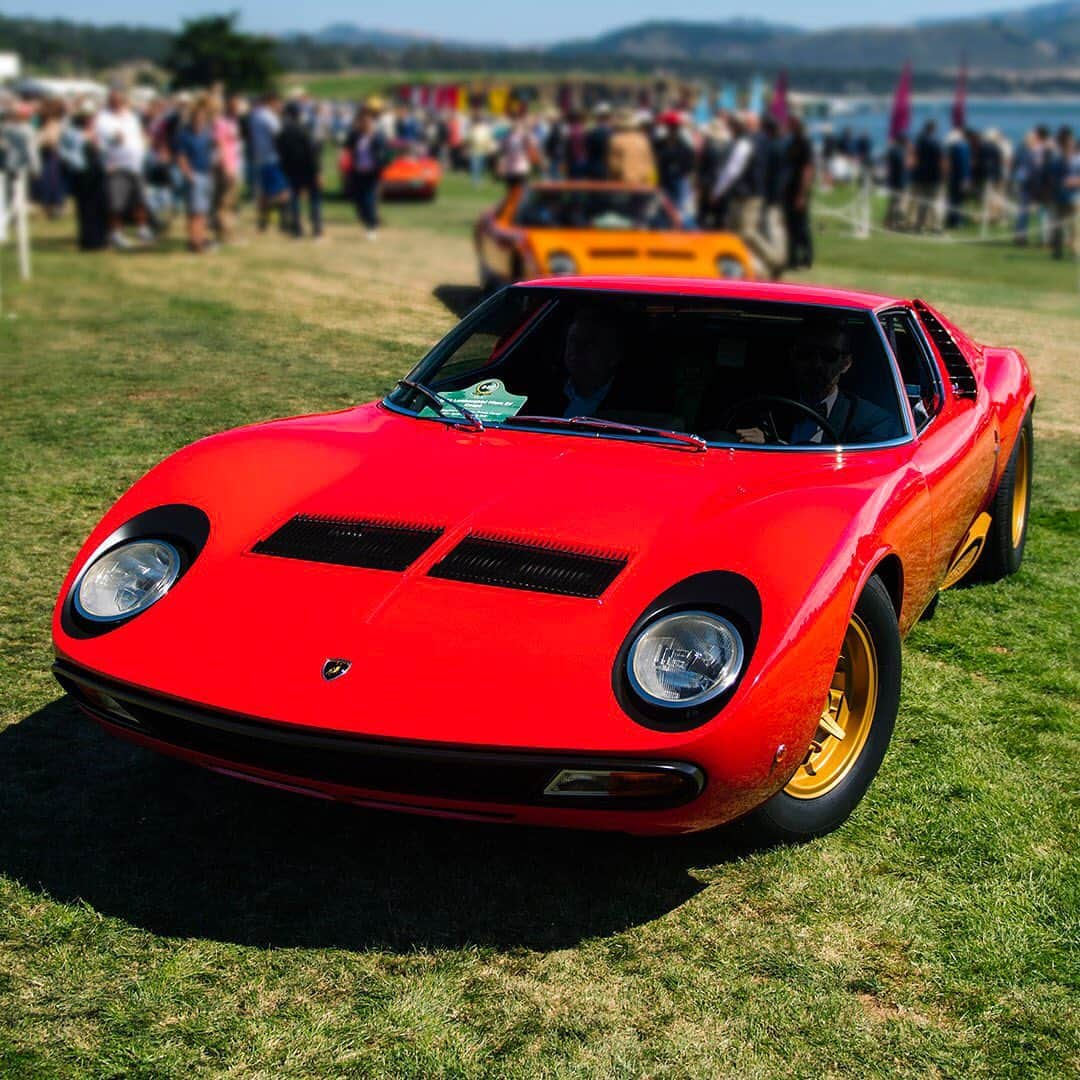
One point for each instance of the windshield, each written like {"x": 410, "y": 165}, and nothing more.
{"x": 732, "y": 372}
{"x": 591, "y": 208}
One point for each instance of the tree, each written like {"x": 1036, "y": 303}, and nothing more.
{"x": 211, "y": 50}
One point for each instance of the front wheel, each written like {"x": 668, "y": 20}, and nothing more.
{"x": 1003, "y": 549}
{"x": 853, "y": 733}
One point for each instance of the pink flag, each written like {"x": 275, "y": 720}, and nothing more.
{"x": 778, "y": 107}
{"x": 901, "y": 106}
{"x": 959, "y": 105}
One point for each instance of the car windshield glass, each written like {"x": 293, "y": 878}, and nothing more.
{"x": 732, "y": 372}
{"x": 592, "y": 208}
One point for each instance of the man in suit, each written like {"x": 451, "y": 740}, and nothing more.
{"x": 818, "y": 363}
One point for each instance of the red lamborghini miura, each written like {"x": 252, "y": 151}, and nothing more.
{"x": 618, "y": 553}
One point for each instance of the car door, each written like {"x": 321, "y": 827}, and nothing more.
{"x": 957, "y": 437}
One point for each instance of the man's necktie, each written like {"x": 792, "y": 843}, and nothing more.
{"x": 805, "y": 428}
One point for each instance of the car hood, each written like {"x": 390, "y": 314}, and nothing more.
{"x": 633, "y": 251}
{"x": 447, "y": 660}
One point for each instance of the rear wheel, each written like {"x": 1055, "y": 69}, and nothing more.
{"x": 853, "y": 733}
{"x": 1003, "y": 550}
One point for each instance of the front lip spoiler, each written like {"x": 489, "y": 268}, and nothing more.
{"x": 462, "y": 773}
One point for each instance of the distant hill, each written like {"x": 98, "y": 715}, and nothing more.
{"x": 344, "y": 33}
{"x": 1035, "y": 49}
{"x": 1047, "y": 36}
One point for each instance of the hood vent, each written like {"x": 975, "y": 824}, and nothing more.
{"x": 515, "y": 564}
{"x": 377, "y": 545}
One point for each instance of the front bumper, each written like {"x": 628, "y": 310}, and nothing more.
{"x": 476, "y": 782}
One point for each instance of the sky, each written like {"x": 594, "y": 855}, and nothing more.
{"x": 519, "y": 23}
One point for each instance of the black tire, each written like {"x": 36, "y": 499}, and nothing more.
{"x": 787, "y": 819}
{"x": 1003, "y": 552}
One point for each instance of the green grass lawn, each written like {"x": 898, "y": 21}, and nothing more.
{"x": 159, "y": 921}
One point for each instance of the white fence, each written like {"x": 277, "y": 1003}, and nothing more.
{"x": 15, "y": 219}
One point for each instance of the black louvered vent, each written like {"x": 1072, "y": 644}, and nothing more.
{"x": 960, "y": 374}
{"x": 492, "y": 560}
{"x": 377, "y": 545}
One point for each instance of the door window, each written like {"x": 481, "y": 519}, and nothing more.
{"x": 917, "y": 370}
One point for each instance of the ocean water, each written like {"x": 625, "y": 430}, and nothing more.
{"x": 1011, "y": 116}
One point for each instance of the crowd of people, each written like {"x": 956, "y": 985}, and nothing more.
{"x": 936, "y": 184}
{"x": 128, "y": 170}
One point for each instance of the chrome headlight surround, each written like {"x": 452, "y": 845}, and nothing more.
{"x": 668, "y": 649}
{"x": 720, "y": 595}
{"x": 126, "y": 580}
{"x": 561, "y": 262}
{"x": 179, "y": 526}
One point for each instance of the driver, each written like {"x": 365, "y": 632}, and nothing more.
{"x": 818, "y": 362}
{"x": 591, "y": 357}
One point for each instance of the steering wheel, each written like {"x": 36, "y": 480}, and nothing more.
{"x": 765, "y": 417}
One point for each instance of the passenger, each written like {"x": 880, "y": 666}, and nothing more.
{"x": 591, "y": 356}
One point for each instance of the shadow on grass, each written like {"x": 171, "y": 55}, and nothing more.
{"x": 173, "y": 241}
{"x": 458, "y": 299}
{"x": 183, "y": 852}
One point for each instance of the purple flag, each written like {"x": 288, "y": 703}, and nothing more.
{"x": 778, "y": 107}
{"x": 901, "y": 106}
{"x": 959, "y": 105}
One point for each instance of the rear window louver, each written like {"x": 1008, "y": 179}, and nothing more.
{"x": 959, "y": 371}
{"x": 376, "y": 545}
{"x": 516, "y": 564}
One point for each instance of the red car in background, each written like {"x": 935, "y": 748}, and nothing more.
{"x": 602, "y": 560}
{"x": 412, "y": 173}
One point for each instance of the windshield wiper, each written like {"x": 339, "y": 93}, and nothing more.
{"x": 440, "y": 402}
{"x": 595, "y": 423}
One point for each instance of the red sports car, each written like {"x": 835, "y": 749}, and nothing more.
{"x": 622, "y": 554}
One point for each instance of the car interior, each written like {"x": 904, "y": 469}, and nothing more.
{"x": 704, "y": 367}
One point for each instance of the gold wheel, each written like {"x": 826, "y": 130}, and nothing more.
{"x": 845, "y": 720}
{"x": 1021, "y": 480}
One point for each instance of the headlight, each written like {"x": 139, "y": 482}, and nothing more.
{"x": 729, "y": 267}
{"x": 561, "y": 262}
{"x": 685, "y": 659}
{"x": 127, "y": 580}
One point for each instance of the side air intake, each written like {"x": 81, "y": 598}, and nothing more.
{"x": 960, "y": 374}
{"x": 376, "y": 545}
{"x": 516, "y": 564}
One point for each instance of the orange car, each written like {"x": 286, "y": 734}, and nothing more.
{"x": 598, "y": 227}
{"x": 411, "y": 174}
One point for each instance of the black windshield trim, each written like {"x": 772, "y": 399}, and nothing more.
{"x": 653, "y": 440}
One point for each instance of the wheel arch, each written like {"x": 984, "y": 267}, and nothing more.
{"x": 890, "y": 570}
